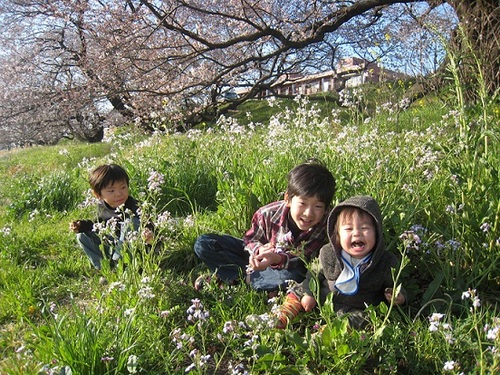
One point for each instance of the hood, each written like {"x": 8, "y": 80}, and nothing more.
{"x": 367, "y": 204}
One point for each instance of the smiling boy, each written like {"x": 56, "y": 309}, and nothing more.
{"x": 280, "y": 232}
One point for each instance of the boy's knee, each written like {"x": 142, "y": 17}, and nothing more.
{"x": 201, "y": 244}
{"x": 82, "y": 237}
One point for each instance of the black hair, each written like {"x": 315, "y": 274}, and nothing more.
{"x": 105, "y": 175}
{"x": 310, "y": 179}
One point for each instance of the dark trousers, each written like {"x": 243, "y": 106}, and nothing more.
{"x": 226, "y": 256}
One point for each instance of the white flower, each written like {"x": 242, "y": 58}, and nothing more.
{"x": 196, "y": 312}
{"x": 164, "y": 313}
{"x": 238, "y": 369}
{"x": 485, "y": 227}
{"x": 436, "y": 317}
{"x": 476, "y": 302}
{"x": 260, "y": 322}
{"x": 6, "y": 230}
{"x": 117, "y": 285}
{"x": 129, "y": 312}
{"x": 155, "y": 180}
{"x": 132, "y": 364}
{"x": 493, "y": 333}
{"x": 189, "y": 221}
{"x": 204, "y": 359}
{"x": 146, "y": 292}
{"x": 449, "y": 365}
{"x": 449, "y": 338}
{"x": 229, "y": 326}
{"x": 433, "y": 327}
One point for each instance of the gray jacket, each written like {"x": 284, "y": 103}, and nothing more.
{"x": 375, "y": 277}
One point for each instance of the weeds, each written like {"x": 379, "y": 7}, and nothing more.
{"x": 440, "y": 206}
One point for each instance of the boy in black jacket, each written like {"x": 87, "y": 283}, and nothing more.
{"x": 116, "y": 210}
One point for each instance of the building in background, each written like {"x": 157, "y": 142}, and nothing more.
{"x": 349, "y": 72}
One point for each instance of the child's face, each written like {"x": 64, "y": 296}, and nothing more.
{"x": 114, "y": 194}
{"x": 357, "y": 234}
{"x": 306, "y": 212}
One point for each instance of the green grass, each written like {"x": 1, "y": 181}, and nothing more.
{"x": 430, "y": 178}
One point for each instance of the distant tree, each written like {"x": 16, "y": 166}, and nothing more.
{"x": 476, "y": 42}
{"x": 170, "y": 62}
{"x": 474, "y": 45}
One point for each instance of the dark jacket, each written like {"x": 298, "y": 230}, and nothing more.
{"x": 105, "y": 213}
{"x": 375, "y": 277}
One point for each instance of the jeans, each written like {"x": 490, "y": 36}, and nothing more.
{"x": 226, "y": 256}
{"x": 90, "y": 243}
{"x": 222, "y": 254}
{"x": 272, "y": 279}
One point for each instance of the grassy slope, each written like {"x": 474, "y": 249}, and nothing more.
{"x": 42, "y": 265}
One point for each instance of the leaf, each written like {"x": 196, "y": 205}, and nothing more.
{"x": 313, "y": 286}
{"x": 299, "y": 342}
{"x": 433, "y": 287}
{"x": 327, "y": 336}
{"x": 383, "y": 308}
{"x": 378, "y": 333}
{"x": 343, "y": 350}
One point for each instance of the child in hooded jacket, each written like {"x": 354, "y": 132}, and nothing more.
{"x": 354, "y": 266}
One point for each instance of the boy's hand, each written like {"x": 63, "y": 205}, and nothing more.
{"x": 258, "y": 262}
{"x": 261, "y": 261}
{"x": 147, "y": 236}
{"x": 399, "y": 300}
{"x": 308, "y": 302}
{"x": 74, "y": 226}
{"x": 266, "y": 248}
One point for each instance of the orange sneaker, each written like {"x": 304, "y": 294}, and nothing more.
{"x": 289, "y": 310}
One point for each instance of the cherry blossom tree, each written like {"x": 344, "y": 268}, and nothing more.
{"x": 65, "y": 63}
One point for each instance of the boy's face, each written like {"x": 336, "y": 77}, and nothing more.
{"x": 114, "y": 194}
{"x": 306, "y": 212}
{"x": 357, "y": 234}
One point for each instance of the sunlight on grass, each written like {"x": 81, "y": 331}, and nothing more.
{"x": 439, "y": 196}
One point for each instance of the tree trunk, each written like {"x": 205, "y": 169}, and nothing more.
{"x": 476, "y": 44}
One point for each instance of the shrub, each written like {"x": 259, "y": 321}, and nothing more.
{"x": 56, "y": 192}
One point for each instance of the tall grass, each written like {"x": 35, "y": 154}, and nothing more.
{"x": 441, "y": 211}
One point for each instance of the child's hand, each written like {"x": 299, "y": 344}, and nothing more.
{"x": 258, "y": 262}
{"x": 399, "y": 300}
{"x": 266, "y": 248}
{"x": 261, "y": 261}
{"x": 308, "y": 302}
{"x": 74, "y": 226}
{"x": 147, "y": 236}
